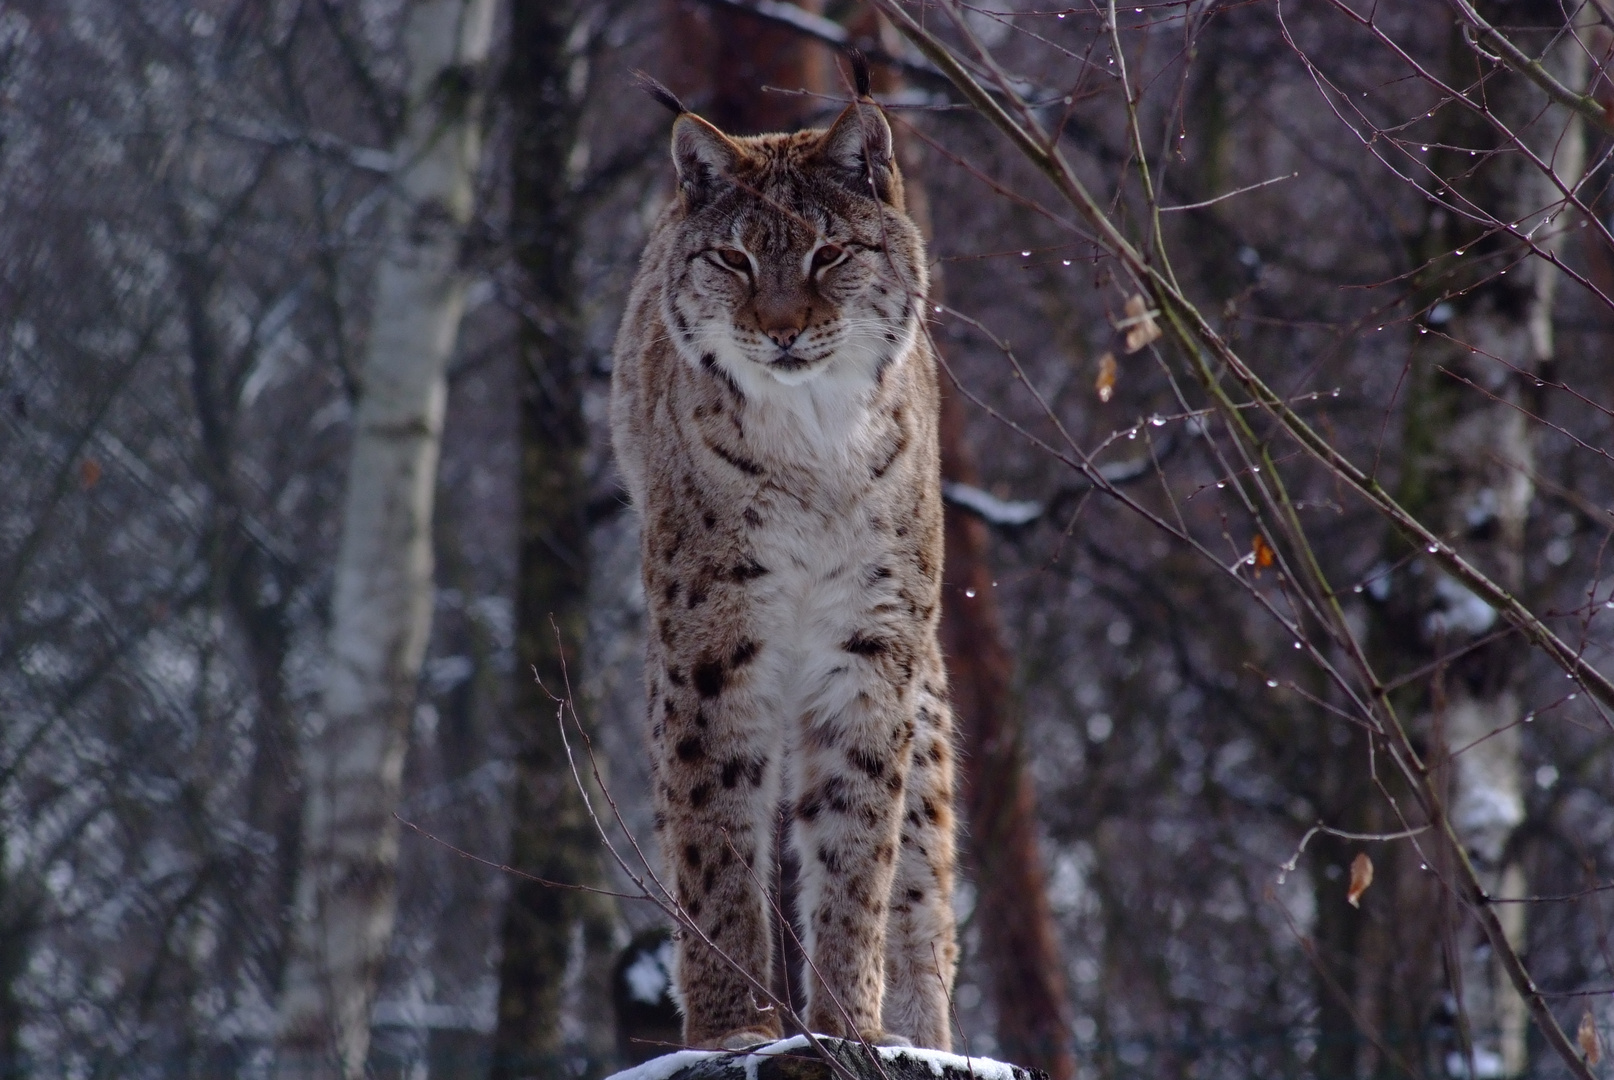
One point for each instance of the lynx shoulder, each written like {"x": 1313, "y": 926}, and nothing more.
{"x": 774, "y": 412}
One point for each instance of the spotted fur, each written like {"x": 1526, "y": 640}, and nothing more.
{"x": 774, "y": 411}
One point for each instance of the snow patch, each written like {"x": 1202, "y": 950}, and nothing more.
{"x": 996, "y": 511}
{"x": 1488, "y": 1065}
{"x": 1487, "y": 809}
{"x": 647, "y": 976}
{"x": 940, "y": 1061}
{"x": 1463, "y": 610}
{"x": 663, "y": 1067}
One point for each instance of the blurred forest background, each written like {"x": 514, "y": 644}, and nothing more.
{"x": 305, "y": 321}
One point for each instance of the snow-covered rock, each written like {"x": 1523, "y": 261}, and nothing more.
{"x": 797, "y": 1059}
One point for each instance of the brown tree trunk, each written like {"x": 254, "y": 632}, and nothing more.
{"x": 1017, "y": 924}
{"x": 1011, "y": 907}
{"x": 724, "y": 58}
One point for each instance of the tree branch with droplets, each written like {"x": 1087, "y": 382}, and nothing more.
{"x": 1223, "y": 373}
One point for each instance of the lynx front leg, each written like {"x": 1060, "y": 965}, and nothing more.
{"x": 851, "y": 769}
{"x": 717, "y": 787}
{"x": 921, "y": 952}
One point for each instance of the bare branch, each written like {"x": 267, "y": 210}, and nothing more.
{"x": 1520, "y": 61}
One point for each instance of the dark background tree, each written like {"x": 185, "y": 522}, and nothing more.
{"x": 553, "y": 838}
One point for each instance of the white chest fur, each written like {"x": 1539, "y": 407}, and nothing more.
{"x": 822, "y": 551}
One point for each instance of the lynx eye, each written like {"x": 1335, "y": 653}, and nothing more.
{"x": 827, "y": 256}
{"x": 734, "y": 259}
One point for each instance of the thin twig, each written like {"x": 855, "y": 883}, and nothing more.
{"x": 1228, "y": 195}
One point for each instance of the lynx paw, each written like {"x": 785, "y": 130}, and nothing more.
{"x": 744, "y": 1039}
{"x": 885, "y": 1038}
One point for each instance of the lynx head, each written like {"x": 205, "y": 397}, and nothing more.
{"x": 791, "y": 254}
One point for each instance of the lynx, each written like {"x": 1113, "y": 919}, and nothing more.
{"x": 774, "y": 412}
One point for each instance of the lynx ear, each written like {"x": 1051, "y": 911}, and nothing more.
{"x": 703, "y": 155}
{"x": 858, "y": 146}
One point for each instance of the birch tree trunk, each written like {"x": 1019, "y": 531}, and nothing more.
{"x": 1470, "y": 448}
{"x": 381, "y": 610}
{"x": 1493, "y": 451}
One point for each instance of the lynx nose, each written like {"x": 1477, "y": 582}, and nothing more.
{"x": 782, "y": 315}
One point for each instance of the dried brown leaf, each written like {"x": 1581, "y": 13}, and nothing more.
{"x": 89, "y": 473}
{"x": 1139, "y": 324}
{"x": 1105, "y": 383}
{"x": 1587, "y": 1037}
{"x": 1262, "y": 556}
{"x": 1361, "y": 878}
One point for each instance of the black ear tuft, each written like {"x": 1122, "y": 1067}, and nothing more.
{"x": 860, "y": 72}
{"x": 667, "y": 99}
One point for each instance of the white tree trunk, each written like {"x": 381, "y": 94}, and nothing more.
{"x": 353, "y": 752}
{"x": 1488, "y": 782}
